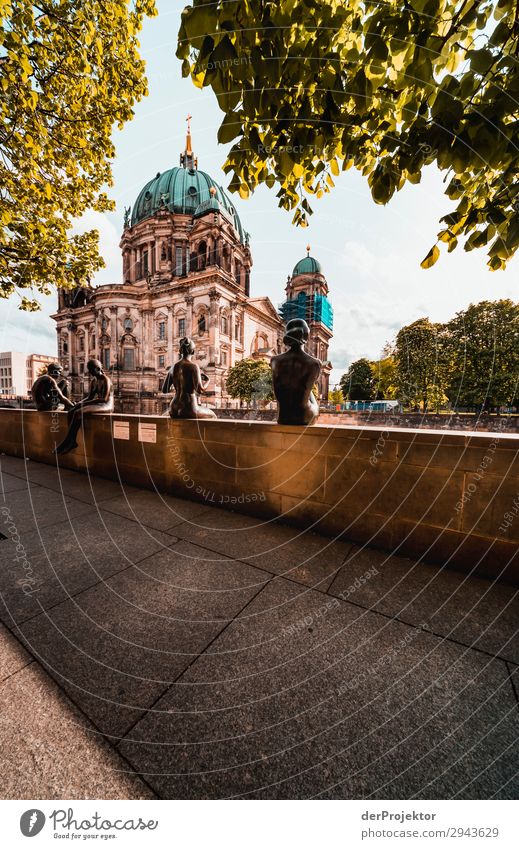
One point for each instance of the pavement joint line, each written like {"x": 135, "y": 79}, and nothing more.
{"x": 84, "y": 589}
{"x": 12, "y": 674}
{"x": 82, "y": 713}
{"x": 512, "y": 682}
{"x": 297, "y": 583}
{"x": 190, "y": 664}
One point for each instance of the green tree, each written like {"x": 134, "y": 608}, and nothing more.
{"x": 358, "y": 383}
{"x": 419, "y": 353}
{"x": 312, "y": 87}
{"x": 483, "y": 349}
{"x": 335, "y": 396}
{"x": 250, "y": 380}
{"x": 384, "y": 377}
{"x": 69, "y": 72}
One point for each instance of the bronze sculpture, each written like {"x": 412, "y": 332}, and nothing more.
{"x": 294, "y": 374}
{"x": 50, "y": 391}
{"x": 188, "y": 382}
{"x": 100, "y": 399}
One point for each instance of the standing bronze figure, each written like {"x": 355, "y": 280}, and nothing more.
{"x": 294, "y": 374}
{"x": 188, "y": 382}
{"x": 100, "y": 399}
{"x": 48, "y": 390}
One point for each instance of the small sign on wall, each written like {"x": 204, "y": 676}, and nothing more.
{"x": 147, "y": 432}
{"x": 121, "y": 430}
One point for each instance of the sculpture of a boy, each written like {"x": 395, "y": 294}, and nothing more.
{"x": 48, "y": 390}
{"x": 100, "y": 399}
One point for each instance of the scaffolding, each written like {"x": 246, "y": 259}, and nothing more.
{"x": 311, "y": 308}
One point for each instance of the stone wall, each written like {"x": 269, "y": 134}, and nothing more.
{"x": 455, "y": 421}
{"x": 449, "y": 498}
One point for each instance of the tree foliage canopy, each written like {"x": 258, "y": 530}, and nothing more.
{"x": 250, "y": 380}
{"x": 69, "y": 71}
{"x": 471, "y": 361}
{"x": 312, "y": 87}
{"x": 358, "y": 383}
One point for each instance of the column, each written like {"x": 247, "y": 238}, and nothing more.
{"x": 214, "y": 325}
{"x": 171, "y": 335}
{"x": 114, "y": 346}
{"x": 189, "y": 315}
{"x": 234, "y": 304}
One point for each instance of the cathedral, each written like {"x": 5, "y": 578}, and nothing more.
{"x": 186, "y": 268}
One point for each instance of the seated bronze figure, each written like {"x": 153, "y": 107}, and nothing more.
{"x": 47, "y": 390}
{"x": 294, "y": 374}
{"x": 188, "y": 382}
{"x": 100, "y": 399}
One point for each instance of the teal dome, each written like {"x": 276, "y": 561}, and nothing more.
{"x": 185, "y": 191}
{"x": 307, "y": 265}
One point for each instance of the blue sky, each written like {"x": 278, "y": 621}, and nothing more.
{"x": 370, "y": 254}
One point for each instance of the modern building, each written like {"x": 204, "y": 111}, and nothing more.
{"x": 19, "y": 371}
{"x": 307, "y": 298}
{"x": 186, "y": 272}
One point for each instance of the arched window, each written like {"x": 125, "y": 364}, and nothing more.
{"x": 201, "y": 323}
{"x": 224, "y": 324}
{"x": 104, "y": 324}
{"x": 237, "y": 330}
{"x": 202, "y": 252}
{"x": 128, "y": 325}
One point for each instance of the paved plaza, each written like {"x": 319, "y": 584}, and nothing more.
{"x": 154, "y": 647}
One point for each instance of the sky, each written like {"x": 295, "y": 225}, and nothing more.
{"x": 369, "y": 254}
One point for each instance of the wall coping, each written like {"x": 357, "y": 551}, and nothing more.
{"x": 409, "y": 433}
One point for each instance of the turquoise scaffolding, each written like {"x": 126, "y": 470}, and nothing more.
{"x": 308, "y": 307}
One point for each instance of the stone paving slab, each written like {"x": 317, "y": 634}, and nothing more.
{"x": 116, "y": 648}
{"x": 300, "y": 556}
{"x": 228, "y": 680}
{"x": 473, "y": 610}
{"x": 37, "y": 507}
{"x": 155, "y": 510}
{"x": 263, "y": 714}
{"x": 49, "y": 750}
{"x": 10, "y": 483}
{"x": 49, "y": 565}
{"x": 77, "y": 485}
{"x": 13, "y": 656}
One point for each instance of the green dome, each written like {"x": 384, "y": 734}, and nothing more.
{"x": 307, "y": 265}
{"x": 185, "y": 191}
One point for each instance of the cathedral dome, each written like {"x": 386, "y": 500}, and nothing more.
{"x": 307, "y": 265}
{"x": 186, "y": 191}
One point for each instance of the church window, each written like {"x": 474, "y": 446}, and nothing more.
{"x": 104, "y": 324}
{"x": 225, "y": 325}
{"x": 106, "y": 358}
{"x": 81, "y": 342}
{"x": 161, "y": 361}
{"x": 145, "y": 264}
{"x": 178, "y": 262}
{"x": 237, "y": 330}
{"x": 128, "y": 325}
{"x": 162, "y": 330}
{"x": 201, "y": 323}
{"x": 128, "y": 359}
{"x": 224, "y": 357}
{"x": 181, "y": 327}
